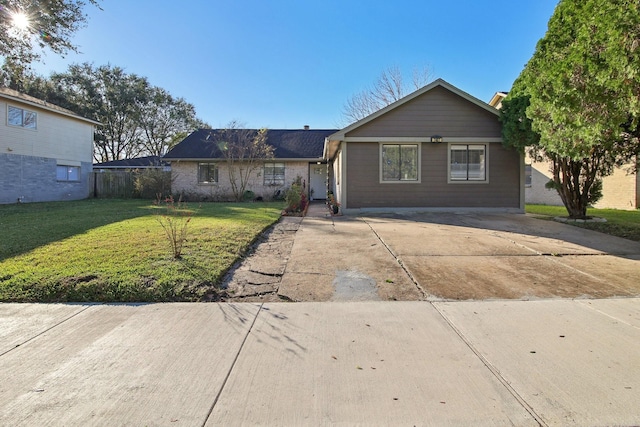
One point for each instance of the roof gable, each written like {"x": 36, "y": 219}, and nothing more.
{"x": 436, "y": 102}
{"x": 287, "y": 144}
{"x": 496, "y": 99}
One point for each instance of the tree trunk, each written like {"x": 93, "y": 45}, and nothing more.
{"x": 573, "y": 180}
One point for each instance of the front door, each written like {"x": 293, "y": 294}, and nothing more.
{"x": 318, "y": 181}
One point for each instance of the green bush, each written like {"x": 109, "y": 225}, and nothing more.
{"x": 295, "y": 197}
{"x": 152, "y": 183}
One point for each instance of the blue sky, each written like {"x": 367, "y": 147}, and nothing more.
{"x": 282, "y": 64}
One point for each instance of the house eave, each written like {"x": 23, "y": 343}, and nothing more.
{"x": 332, "y": 146}
{"x": 128, "y": 167}
{"x": 220, "y": 159}
{"x": 419, "y": 139}
{"x": 51, "y": 109}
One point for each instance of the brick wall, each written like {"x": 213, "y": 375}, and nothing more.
{"x": 619, "y": 190}
{"x": 33, "y": 179}
{"x": 184, "y": 180}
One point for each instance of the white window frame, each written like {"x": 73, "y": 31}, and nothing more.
{"x": 400, "y": 181}
{"x": 467, "y": 180}
{"x": 208, "y": 165}
{"x": 65, "y": 173}
{"x": 272, "y": 179}
{"x": 23, "y": 114}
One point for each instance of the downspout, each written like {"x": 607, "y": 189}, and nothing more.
{"x": 522, "y": 182}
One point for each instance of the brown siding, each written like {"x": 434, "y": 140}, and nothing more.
{"x": 364, "y": 189}
{"x": 437, "y": 112}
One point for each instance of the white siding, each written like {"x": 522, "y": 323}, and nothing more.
{"x": 56, "y": 137}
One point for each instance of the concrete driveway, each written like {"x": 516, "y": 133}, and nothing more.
{"x": 509, "y": 256}
{"x": 447, "y": 256}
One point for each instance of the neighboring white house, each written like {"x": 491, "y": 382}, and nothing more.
{"x": 620, "y": 190}
{"x": 46, "y": 152}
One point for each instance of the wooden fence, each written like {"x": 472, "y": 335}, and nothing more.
{"x": 121, "y": 185}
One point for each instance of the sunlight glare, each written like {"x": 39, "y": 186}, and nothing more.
{"x": 20, "y": 20}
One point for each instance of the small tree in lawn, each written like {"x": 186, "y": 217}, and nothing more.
{"x": 244, "y": 150}
{"x": 174, "y": 220}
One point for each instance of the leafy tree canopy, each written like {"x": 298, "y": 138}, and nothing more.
{"x": 138, "y": 119}
{"x": 27, "y": 27}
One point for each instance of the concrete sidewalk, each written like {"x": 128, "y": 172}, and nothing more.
{"x": 547, "y": 362}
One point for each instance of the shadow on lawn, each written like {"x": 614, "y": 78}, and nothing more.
{"x": 522, "y": 226}
{"x": 29, "y": 226}
{"x": 26, "y": 227}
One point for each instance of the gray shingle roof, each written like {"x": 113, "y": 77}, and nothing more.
{"x": 287, "y": 143}
{"x": 138, "y": 162}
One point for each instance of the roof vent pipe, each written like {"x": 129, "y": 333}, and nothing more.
{"x": 306, "y": 127}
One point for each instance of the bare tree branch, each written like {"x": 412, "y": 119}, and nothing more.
{"x": 244, "y": 151}
{"x": 387, "y": 89}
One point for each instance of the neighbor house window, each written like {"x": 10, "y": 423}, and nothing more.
{"x": 274, "y": 174}
{"x": 467, "y": 162}
{"x": 22, "y": 118}
{"x": 207, "y": 173}
{"x": 527, "y": 175}
{"x": 399, "y": 162}
{"x": 67, "y": 173}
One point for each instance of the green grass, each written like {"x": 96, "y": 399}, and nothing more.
{"x": 619, "y": 223}
{"x": 116, "y": 250}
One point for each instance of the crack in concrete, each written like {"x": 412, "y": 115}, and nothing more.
{"x": 494, "y": 370}
{"x": 267, "y": 274}
{"x": 424, "y": 293}
{"x": 48, "y": 329}
{"x": 233, "y": 364}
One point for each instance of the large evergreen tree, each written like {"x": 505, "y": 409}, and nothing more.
{"x": 577, "y": 102}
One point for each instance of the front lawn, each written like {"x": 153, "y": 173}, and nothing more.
{"x": 619, "y": 223}
{"x": 116, "y": 250}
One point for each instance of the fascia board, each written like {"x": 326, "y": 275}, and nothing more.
{"x": 49, "y": 109}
